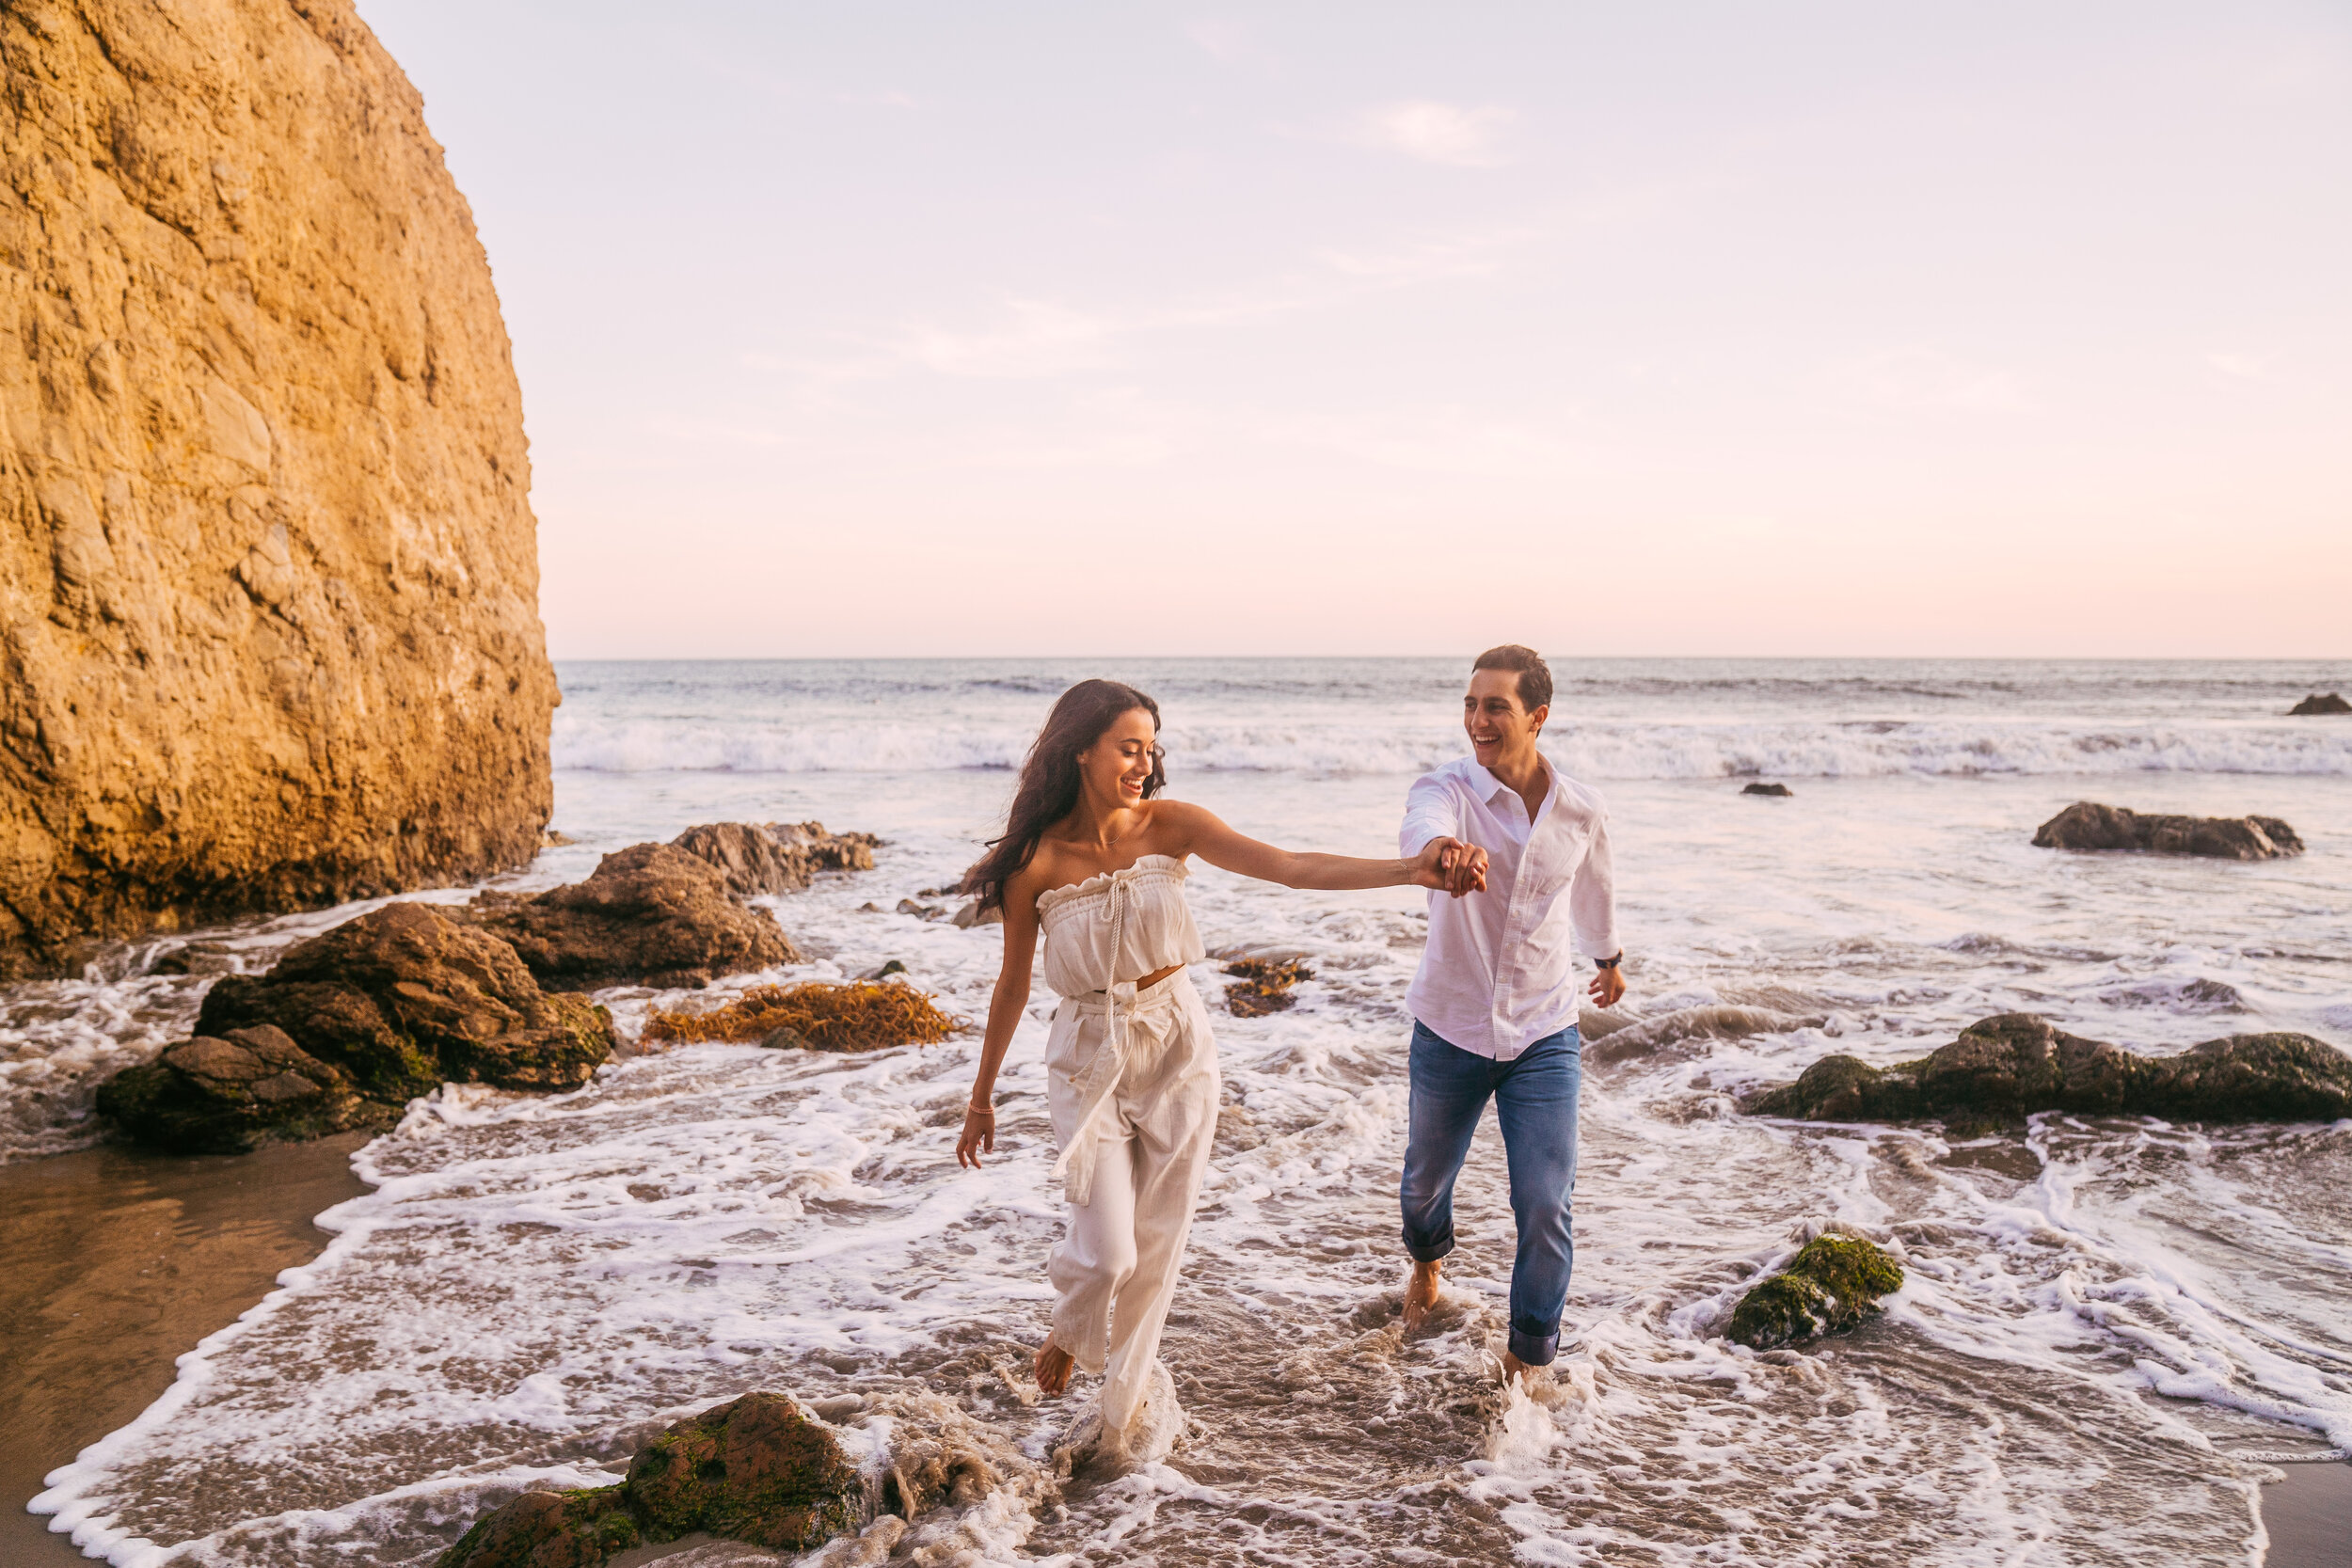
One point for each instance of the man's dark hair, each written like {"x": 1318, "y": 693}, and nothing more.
{"x": 1534, "y": 674}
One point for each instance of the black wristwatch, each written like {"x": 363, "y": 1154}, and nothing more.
{"x": 1609, "y": 963}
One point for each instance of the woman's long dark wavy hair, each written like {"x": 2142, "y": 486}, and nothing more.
{"x": 1049, "y": 779}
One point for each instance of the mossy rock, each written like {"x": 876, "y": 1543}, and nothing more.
{"x": 754, "y": 1469}
{"x": 2005, "y": 1068}
{"x": 549, "y": 1530}
{"x": 1832, "y": 1285}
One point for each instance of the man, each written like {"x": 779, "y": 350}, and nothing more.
{"x": 1495, "y": 1001}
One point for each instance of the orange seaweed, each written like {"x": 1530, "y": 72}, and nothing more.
{"x": 1266, "y": 985}
{"x": 863, "y": 1015}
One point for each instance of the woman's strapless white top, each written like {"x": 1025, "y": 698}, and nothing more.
{"x": 1102, "y": 936}
{"x": 1118, "y": 926}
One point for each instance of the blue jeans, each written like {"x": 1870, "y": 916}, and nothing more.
{"x": 1534, "y": 1096}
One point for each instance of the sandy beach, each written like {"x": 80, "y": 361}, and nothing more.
{"x": 124, "y": 1261}
{"x": 118, "y": 1262}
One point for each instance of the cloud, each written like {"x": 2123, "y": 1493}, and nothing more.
{"x": 1924, "y": 378}
{"x": 1453, "y": 256}
{"x": 1434, "y": 133}
{"x": 1032, "y": 339}
{"x": 1543, "y": 444}
{"x": 1227, "y": 41}
{"x": 2240, "y": 367}
{"x": 1036, "y": 338}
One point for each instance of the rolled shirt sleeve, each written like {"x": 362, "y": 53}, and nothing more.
{"x": 1430, "y": 812}
{"x": 1592, "y": 901}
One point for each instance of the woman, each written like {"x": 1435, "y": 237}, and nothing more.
{"x": 1090, "y": 856}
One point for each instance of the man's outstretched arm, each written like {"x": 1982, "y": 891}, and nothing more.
{"x": 1432, "y": 817}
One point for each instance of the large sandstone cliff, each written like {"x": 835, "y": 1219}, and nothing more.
{"x": 269, "y": 633}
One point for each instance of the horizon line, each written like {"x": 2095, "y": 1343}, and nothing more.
{"x": 1661, "y": 658}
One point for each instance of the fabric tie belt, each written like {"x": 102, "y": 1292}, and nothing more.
{"x": 1096, "y": 1084}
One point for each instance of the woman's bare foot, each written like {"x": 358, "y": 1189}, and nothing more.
{"x": 1051, "y": 1367}
{"x": 1421, "y": 1295}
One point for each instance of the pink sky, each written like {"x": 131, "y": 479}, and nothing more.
{"x": 1803, "y": 329}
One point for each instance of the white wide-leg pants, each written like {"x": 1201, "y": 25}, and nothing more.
{"x": 1116, "y": 1271}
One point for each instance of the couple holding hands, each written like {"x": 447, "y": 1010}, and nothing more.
{"x": 1517, "y": 857}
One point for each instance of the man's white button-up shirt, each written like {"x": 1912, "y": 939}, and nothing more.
{"x": 1498, "y": 973}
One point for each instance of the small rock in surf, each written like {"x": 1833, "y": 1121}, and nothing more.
{"x": 1829, "y": 1286}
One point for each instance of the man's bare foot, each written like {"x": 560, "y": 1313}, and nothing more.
{"x": 1051, "y": 1367}
{"x": 1421, "y": 1295}
{"x": 1513, "y": 1368}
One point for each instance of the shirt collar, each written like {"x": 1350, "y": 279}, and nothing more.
{"x": 1482, "y": 779}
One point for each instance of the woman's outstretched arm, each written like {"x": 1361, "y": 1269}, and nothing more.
{"x": 1003, "y": 1016}
{"x": 1445, "y": 863}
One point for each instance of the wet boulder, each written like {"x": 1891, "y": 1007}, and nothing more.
{"x": 1829, "y": 1286}
{"x": 2003, "y": 1069}
{"x": 755, "y": 1469}
{"x": 775, "y": 857}
{"x": 233, "y": 1093}
{"x": 406, "y": 998}
{"x": 652, "y": 914}
{"x": 2087, "y": 825}
{"x": 551, "y": 1530}
{"x": 1775, "y": 791}
{"x": 351, "y": 1025}
{"x": 2316, "y": 705}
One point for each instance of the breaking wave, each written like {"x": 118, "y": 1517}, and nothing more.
{"x": 1793, "y": 750}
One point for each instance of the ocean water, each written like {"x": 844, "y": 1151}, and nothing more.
{"x": 2112, "y": 1332}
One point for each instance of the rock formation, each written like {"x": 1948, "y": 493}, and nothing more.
{"x": 234, "y": 1094}
{"x": 1771, "y": 791}
{"x": 348, "y": 1028}
{"x": 2316, "y": 705}
{"x": 1829, "y": 1286}
{"x": 2002, "y": 1070}
{"x": 651, "y": 914}
{"x": 778, "y": 857}
{"x": 269, "y": 572}
{"x": 759, "y": 1470}
{"x": 2086, "y": 824}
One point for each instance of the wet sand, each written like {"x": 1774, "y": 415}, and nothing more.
{"x": 117, "y": 1263}
{"x": 2310, "y": 1516}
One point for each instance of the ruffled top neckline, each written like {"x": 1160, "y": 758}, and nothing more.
{"x": 1103, "y": 879}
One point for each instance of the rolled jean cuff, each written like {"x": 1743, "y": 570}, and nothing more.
{"x": 1428, "y": 1251}
{"x": 1535, "y": 1349}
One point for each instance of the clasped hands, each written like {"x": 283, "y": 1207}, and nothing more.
{"x": 1450, "y": 865}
